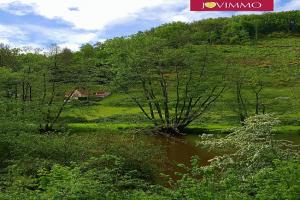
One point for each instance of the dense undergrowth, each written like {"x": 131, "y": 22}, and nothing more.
{"x": 113, "y": 166}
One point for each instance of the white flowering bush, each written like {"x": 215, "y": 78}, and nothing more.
{"x": 250, "y": 147}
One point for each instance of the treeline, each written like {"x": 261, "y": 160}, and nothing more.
{"x": 235, "y": 30}
{"x": 34, "y": 86}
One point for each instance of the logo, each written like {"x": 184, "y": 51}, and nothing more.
{"x": 210, "y": 4}
{"x": 232, "y": 5}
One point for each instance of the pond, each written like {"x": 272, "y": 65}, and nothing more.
{"x": 180, "y": 150}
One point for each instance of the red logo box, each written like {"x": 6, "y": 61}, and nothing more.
{"x": 232, "y": 5}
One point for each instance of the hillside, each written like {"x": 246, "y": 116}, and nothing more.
{"x": 269, "y": 57}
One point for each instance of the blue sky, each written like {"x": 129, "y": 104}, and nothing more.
{"x": 71, "y": 23}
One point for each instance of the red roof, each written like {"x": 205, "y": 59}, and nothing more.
{"x": 102, "y": 94}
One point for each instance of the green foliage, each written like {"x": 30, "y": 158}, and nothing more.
{"x": 98, "y": 178}
{"x": 108, "y": 166}
{"x": 243, "y": 29}
{"x": 254, "y": 167}
{"x": 256, "y": 49}
{"x": 280, "y": 182}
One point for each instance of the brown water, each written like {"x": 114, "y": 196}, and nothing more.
{"x": 180, "y": 150}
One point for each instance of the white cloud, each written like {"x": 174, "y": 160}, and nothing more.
{"x": 18, "y": 36}
{"x": 292, "y": 5}
{"x": 97, "y": 14}
{"x": 15, "y": 37}
{"x": 90, "y": 14}
{"x": 62, "y": 34}
{"x": 7, "y": 31}
{"x": 4, "y": 41}
{"x": 15, "y": 8}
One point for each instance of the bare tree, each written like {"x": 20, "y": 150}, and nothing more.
{"x": 176, "y": 86}
{"x": 244, "y": 83}
{"x": 53, "y": 102}
{"x": 257, "y": 89}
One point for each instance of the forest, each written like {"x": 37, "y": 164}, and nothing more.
{"x": 201, "y": 110}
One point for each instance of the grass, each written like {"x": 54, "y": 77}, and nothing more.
{"x": 115, "y": 127}
{"x": 90, "y": 113}
{"x": 193, "y": 129}
{"x": 287, "y": 129}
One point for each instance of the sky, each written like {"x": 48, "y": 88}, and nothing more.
{"x": 71, "y": 23}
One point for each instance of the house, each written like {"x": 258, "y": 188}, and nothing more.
{"x": 80, "y": 94}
